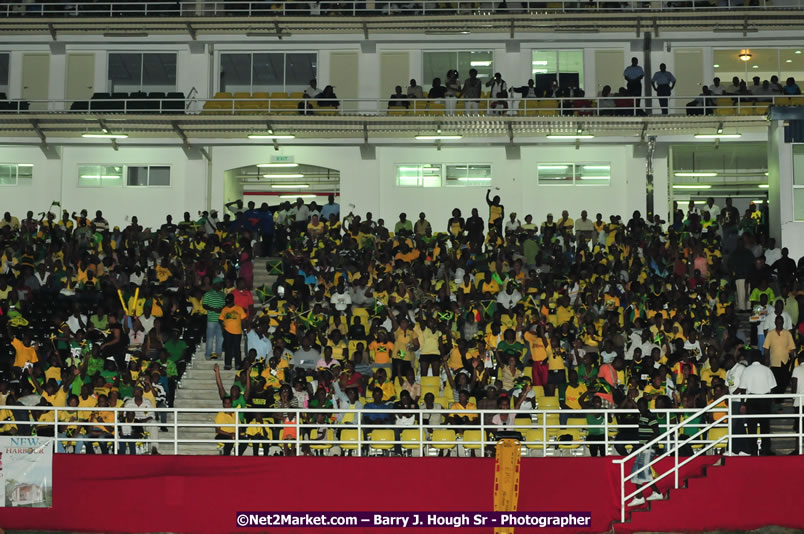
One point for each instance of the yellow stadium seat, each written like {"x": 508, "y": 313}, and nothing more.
{"x": 537, "y": 390}
{"x": 472, "y": 435}
{"x": 535, "y": 439}
{"x": 549, "y": 107}
{"x": 280, "y": 103}
{"x": 261, "y": 101}
{"x": 431, "y": 381}
{"x": 349, "y": 439}
{"x": 576, "y": 422}
{"x": 434, "y": 107}
{"x": 435, "y": 390}
{"x": 442, "y": 437}
{"x": 379, "y": 437}
{"x": 746, "y": 108}
{"x": 523, "y": 421}
{"x": 529, "y": 373}
{"x": 761, "y": 108}
{"x": 715, "y": 434}
{"x": 418, "y": 107}
{"x": 323, "y": 446}
{"x": 444, "y": 401}
{"x": 796, "y": 100}
{"x": 531, "y": 107}
{"x": 724, "y": 106}
{"x": 576, "y": 436}
{"x": 552, "y": 422}
{"x": 410, "y": 438}
{"x": 398, "y": 111}
{"x": 548, "y": 403}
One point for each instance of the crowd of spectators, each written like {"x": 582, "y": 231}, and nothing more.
{"x": 487, "y": 313}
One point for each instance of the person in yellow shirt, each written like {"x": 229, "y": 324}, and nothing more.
{"x": 225, "y": 429}
{"x": 537, "y": 342}
{"x": 25, "y": 351}
{"x": 231, "y": 318}
{"x": 714, "y": 370}
{"x": 460, "y": 417}
{"x": 7, "y": 426}
{"x": 655, "y": 389}
{"x": 103, "y": 427}
{"x": 315, "y": 228}
{"x": 405, "y": 345}
{"x": 779, "y": 348}
{"x": 380, "y": 350}
{"x": 573, "y": 393}
{"x": 380, "y": 380}
{"x": 496, "y": 212}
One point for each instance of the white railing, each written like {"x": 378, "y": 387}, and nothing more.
{"x": 701, "y": 441}
{"x": 541, "y": 430}
{"x": 510, "y": 106}
{"x": 367, "y": 8}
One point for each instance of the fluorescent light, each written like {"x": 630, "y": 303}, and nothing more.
{"x": 594, "y": 177}
{"x": 757, "y": 202}
{"x": 716, "y": 66}
{"x": 105, "y": 136}
{"x": 283, "y": 176}
{"x": 272, "y": 136}
{"x": 763, "y": 186}
{"x": 539, "y": 62}
{"x": 798, "y": 51}
{"x": 699, "y": 202}
{"x": 90, "y": 177}
{"x": 289, "y": 186}
{"x": 766, "y": 174}
{"x": 111, "y": 177}
{"x": 422, "y": 168}
{"x": 697, "y": 186}
{"x": 577, "y": 136}
{"x": 298, "y": 196}
{"x": 553, "y": 167}
{"x": 788, "y": 60}
{"x": 755, "y": 66}
{"x": 438, "y": 137}
{"x": 539, "y": 71}
{"x": 276, "y": 165}
{"x": 718, "y": 136}
{"x": 480, "y": 63}
{"x": 596, "y": 167}
{"x": 695, "y": 174}
{"x": 24, "y": 164}
{"x": 473, "y": 179}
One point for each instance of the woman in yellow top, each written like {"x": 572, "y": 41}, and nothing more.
{"x": 496, "y": 212}
{"x": 102, "y": 429}
{"x": 405, "y": 345}
{"x": 315, "y": 228}
{"x": 232, "y": 318}
{"x": 67, "y": 430}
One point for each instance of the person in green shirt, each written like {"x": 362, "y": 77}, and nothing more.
{"x": 693, "y": 424}
{"x": 595, "y": 433}
{"x": 509, "y": 346}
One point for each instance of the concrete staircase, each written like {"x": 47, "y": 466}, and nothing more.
{"x": 198, "y": 390}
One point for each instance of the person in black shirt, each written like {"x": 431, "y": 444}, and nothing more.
{"x": 474, "y": 227}
{"x": 784, "y": 267}
{"x": 398, "y": 100}
{"x": 438, "y": 91}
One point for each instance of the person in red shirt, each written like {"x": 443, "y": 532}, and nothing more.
{"x": 243, "y": 298}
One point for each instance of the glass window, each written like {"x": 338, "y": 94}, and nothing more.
{"x": 574, "y": 173}
{"x": 798, "y": 203}
{"x": 468, "y": 175}
{"x": 148, "y": 176}
{"x": 24, "y": 173}
{"x": 763, "y": 62}
{"x": 100, "y": 176}
{"x": 418, "y": 175}
{"x": 273, "y": 72}
{"x": 555, "y": 174}
{"x": 798, "y": 164}
{"x": 142, "y": 72}
{"x": 592, "y": 174}
{"x": 436, "y": 65}
{"x": 4, "y": 73}
{"x": 137, "y": 176}
{"x": 564, "y": 67}
{"x": 8, "y": 175}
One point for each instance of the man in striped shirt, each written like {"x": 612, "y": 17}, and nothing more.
{"x": 213, "y": 301}
{"x": 641, "y": 471}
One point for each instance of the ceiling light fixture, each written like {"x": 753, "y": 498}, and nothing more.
{"x": 744, "y": 55}
{"x": 289, "y": 186}
{"x": 272, "y": 136}
{"x": 276, "y": 165}
{"x": 104, "y": 135}
{"x": 697, "y": 186}
{"x": 553, "y": 167}
{"x": 718, "y": 136}
{"x": 438, "y": 137}
{"x": 480, "y": 63}
{"x": 576, "y": 136}
{"x": 299, "y": 196}
{"x": 763, "y": 186}
{"x": 695, "y": 174}
{"x": 283, "y": 175}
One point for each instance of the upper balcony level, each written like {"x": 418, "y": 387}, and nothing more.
{"x": 281, "y": 18}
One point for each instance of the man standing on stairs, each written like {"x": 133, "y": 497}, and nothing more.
{"x": 648, "y": 431}
{"x": 757, "y": 379}
{"x": 213, "y": 302}
{"x": 739, "y": 446}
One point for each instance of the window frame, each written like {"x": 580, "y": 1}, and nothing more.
{"x": 16, "y": 167}
{"x": 558, "y": 52}
{"x": 251, "y": 54}
{"x": 468, "y": 181}
{"x": 593, "y": 180}
{"x": 142, "y": 55}
{"x": 124, "y": 169}
{"x": 442, "y": 175}
{"x": 428, "y": 83}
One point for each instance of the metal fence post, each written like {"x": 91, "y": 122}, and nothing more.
{"x": 237, "y": 432}
{"x": 175, "y": 431}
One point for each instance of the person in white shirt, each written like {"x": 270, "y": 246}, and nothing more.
{"x": 77, "y": 321}
{"x": 712, "y": 208}
{"x": 772, "y": 252}
{"x": 146, "y": 320}
{"x": 510, "y": 297}
{"x": 257, "y": 340}
{"x": 769, "y": 323}
{"x": 512, "y": 225}
{"x": 312, "y": 90}
{"x": 341, "y": 300}
{"x": 733, "y": 374}
{"x": 716, "y": 88}
{"x": 758, "y": 379}
{"x": 142, "y": 409}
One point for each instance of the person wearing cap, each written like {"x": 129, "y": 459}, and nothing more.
{"x": 213, "y": 302}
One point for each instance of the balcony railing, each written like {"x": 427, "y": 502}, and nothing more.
{"x": 367, "y": 8}
{"x": 745, "y": 105}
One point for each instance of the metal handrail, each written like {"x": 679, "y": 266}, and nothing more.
{"x": 485, "y": 106}
{"x": 675, "y": 445}
{"x": 362, "y": 8}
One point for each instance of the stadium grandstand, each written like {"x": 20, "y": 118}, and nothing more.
{"x": 516, "y": 265}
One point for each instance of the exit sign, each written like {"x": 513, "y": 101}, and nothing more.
{"x": 281, "y": 159}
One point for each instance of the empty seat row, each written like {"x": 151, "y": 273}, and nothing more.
{"x": 227, "y": 103}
